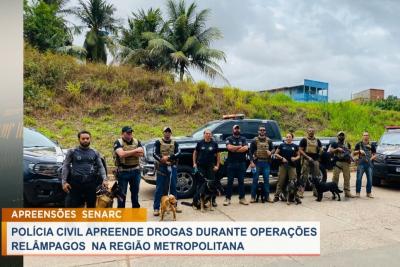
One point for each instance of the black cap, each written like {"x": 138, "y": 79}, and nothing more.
{"x": 167, "y": 129}
{"x": 127, "y": 129}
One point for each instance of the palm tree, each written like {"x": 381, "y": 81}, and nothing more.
{"x": 187, "y": 40}
{"x": 97, "y": 15}
{"x": 133, "y": 44}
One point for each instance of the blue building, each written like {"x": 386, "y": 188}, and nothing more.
{"x": 310, "y": 91}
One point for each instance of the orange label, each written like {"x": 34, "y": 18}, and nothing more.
{"x": 73, "y": 215}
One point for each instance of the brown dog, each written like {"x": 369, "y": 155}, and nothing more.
{"x": 168, "y": 203}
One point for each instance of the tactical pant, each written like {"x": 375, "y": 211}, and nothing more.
{"x": 344, "y": 167}
{"x": 80, "y": 194}
{"x": 285, "y": 173}
{"x": 306, "y": 169}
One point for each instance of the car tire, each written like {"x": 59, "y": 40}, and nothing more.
{"x": 376, "y": 181}
{"x": 185, "y": 184}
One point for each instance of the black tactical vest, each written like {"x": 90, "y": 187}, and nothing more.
{"x": 83, "y": 165}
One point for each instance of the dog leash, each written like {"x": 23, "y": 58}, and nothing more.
{"x": 169, "y": 168}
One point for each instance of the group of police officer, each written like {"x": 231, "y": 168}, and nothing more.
{"x": 82, "y": 167}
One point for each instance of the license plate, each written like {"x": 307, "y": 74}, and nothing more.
{"x": 398, "y": 169}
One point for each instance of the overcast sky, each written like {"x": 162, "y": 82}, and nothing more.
{"x": 352, "y": 45}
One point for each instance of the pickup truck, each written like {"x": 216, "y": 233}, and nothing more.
{"x": 221, "y": 129}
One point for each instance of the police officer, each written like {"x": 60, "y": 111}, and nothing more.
{"x": 288, "y": 154}
{"x": 127, "y": 151}
{"x": 237, "y": 150}
{"x": 206, "y": 159}
{"x": 366, "y": 153}
{"x": 79, "y": 173}
{"x": 310, "y": 148}
{"x": 342, "y": 156}
{"x": 260, "y": 156}
{"x": 166, "y": 153}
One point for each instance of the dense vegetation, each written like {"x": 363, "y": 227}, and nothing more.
{"x": 177, "y": 42}
{"x": 63, "y": 96}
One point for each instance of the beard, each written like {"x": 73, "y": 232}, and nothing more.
{"x": 85, "y": 144}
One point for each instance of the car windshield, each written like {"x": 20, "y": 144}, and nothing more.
{"x": 390, "y": 139}
{"x": 35, "y": 139}
{"x": 198, "y": 134}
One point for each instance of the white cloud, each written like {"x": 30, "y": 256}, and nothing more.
{"x": 352, "y": 45}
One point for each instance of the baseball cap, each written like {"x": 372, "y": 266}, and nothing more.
{"x": 340, "y": 133}
{"x": 127, "y": 129}
{"x": 167, "y": 129}
{"x": 235, "y": 126}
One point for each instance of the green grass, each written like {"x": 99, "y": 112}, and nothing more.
{"x": 62, "y": 97}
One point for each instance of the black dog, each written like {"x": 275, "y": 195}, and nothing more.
{"x": 260, "y": 192}
{"x": 204, "y": 188}
{"x": 325, "y": 187}
{"x": 291, "y": 189}
{"x": 207, "y": 192}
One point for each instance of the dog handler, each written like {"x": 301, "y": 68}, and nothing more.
{"x": 127, "y": 151}
{"x": 260, "y": 156}
{"x": 310, "y": 149}
{"x": 79, "y": 173}
{"x": 288, "y": 154}
{"x": 206, "y": 159}
{"x": 342, "y": 155}
{"x": 166, "y": 153}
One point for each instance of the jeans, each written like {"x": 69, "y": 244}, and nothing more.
{"x": 236, "y": 169}
{"x": 133, "y": 178}
{"x": 162, "y": 182}
{"x": 361, "y": 169}
{"x": 262, "y": 167}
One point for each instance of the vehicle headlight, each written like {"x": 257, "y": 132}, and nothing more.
{"x": 380, "y": 158}
{"x": 45, "y": 169}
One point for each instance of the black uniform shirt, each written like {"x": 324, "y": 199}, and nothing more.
{"x": 236, "y": 157}
{"x": 206, "y": 152}
{"x": 288, "y": 151}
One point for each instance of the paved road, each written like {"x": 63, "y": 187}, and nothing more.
{"x": 354, "y": 232}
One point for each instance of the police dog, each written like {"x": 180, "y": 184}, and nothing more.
{"x": 291, "y": 192}
{"x": 260, "y": 192}
{"x": 207, "y": 192}
{"x": 205, "y": 189}
{"x": 106, "y": 194}
{"x": 168, "y": 203}
{"x": 322, "y": 187}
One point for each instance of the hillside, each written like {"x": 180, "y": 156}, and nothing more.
{"x": 63, "y": 96}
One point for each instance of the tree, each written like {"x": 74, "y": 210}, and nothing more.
{"x": 44, "y": 27}
{"x": 186, "y": 41}
{"x": 98, "y": 16}
{"x": 134, "y": 44}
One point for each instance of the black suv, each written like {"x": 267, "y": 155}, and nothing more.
{"x": 42, "y": 161}
{"x": 387, "y": 163}
{"x": 221, "y": 129}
